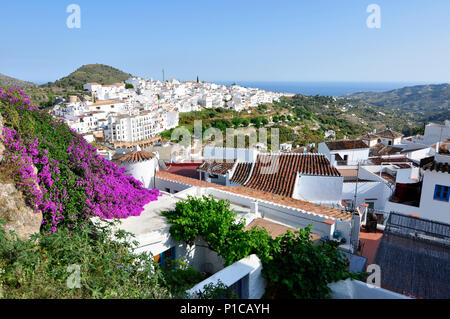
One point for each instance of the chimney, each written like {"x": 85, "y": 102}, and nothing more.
{"x": 333, "y": 160}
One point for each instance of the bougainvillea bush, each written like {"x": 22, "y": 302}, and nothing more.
{"x": 72, "y": 183}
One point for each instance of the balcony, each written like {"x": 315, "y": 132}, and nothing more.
{"x": 407, "y": 194}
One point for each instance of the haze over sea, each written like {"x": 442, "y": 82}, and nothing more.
{"x": 323, "y": 88}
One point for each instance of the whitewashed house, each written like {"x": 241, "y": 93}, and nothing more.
{"x": 430, "y": 196}
{"x": 345, "y": 152}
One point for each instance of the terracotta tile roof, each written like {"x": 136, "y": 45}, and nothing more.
{"x": 369, "y": 244}
{"x": 381, "y": 149}
{"x": 270, "y": 197}
{"x": 274, "y": 229}
{"x": 135, "y": 156}
{"x": 184, "y": 169}
{"x": 438, "y": 167}
{"x": 387, "y": 177}
{"x": 390, "y": 134}
{"x": 279, "y": 177}
{"x": 289, "y": 201}
{"x": 215, "y": 167}
{"x": 105, "y": 102}
{"x": 346, "y": 145}
{"x": 368, "y": 136}
{"x": 241, "y": 173}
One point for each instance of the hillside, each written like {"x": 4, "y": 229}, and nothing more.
{"x": 430, "y": 101}
{"x": 74, "y": 183}
{"x": 7, "y": 81}
{"x": 100, "y": 73}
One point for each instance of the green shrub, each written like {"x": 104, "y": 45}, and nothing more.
{"x": 38, "y": 268}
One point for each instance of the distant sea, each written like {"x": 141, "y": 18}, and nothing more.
{"x": 322, "y": 88}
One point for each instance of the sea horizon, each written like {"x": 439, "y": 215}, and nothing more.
{"x": 323, "y": 88}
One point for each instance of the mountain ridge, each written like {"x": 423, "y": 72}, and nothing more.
{"x": 7, "y": 81}
{"x": 428, "y": 97}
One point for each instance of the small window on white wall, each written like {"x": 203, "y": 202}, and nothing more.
{"x": 441, "y": 193}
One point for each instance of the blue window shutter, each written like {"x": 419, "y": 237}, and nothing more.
{"x": 437, "y": 192}
{"x": 441, "y": 193}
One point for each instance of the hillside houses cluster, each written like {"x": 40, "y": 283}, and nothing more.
{"x": 191, "y": 96}
{"x": 122, "y": 116}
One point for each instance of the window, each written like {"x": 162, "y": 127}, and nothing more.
{"x": 164, "y": 256}
{"x": 371, "y": 204}
{"x": 441, "y": 193}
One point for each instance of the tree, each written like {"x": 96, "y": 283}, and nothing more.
{"x": 301, "y": 269}
{"x": 129, "y": 86}
{"x": 236, "y": 122}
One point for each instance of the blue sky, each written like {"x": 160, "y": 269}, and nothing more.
{"x": 233, "y": 40}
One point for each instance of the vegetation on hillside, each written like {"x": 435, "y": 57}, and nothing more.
{"x": 423, "y": 102}
{"x": 86, "y": 263}
{"x": 99, "y": 73}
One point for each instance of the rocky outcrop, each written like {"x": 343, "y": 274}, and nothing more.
{"x": 17, "y": 214}
{"x": 13, "y": 208}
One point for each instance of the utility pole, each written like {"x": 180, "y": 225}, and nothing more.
{"x": 163, "y": 75}
{"x": 356, "y": 187}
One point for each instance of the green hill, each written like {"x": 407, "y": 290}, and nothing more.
{"x": 413, "y": 98}
{"x": 7, "y": 81}
{"x": 99, "y": 73}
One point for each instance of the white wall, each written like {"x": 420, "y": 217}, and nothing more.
{"x": 367, "y": 192}
{"x": 318, "y": 189}
{"x": 429, "y": 207}
{"x": 354, "y": 155}
{"x": 405, "y": 175}
{"x": 248, "y": 269}
{"x": 199, "y": 257}
{"x": 402, "y": 209}
{"x": 143, "y": 171}
{"x": 353, "y": 289}
{"x": 419, "y": 154}
{"x": 435, "y": 133}
{"x": 170, "y": 186}
{"x": 323, "y": 149}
